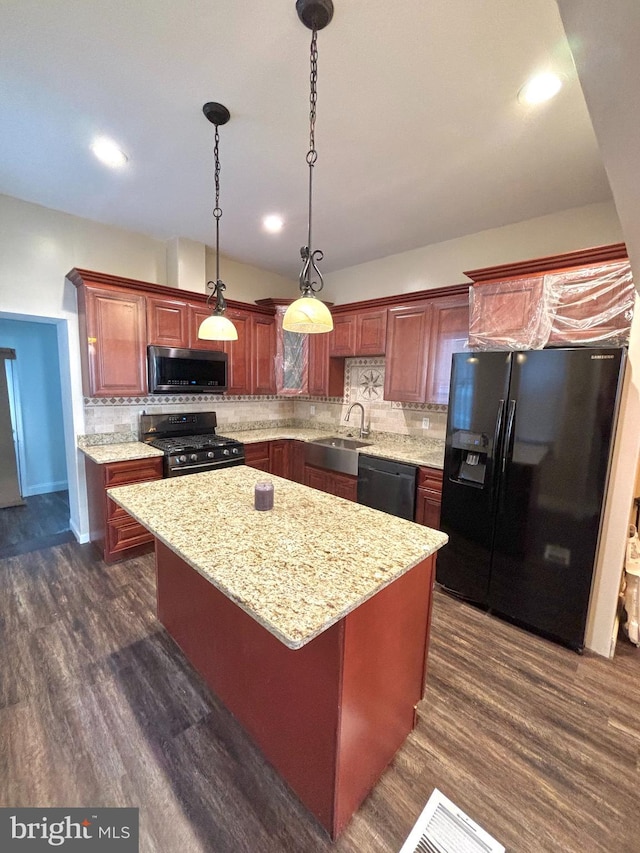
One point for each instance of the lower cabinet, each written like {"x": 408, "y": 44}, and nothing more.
{"x": 112, "y": 530}
{"x": 332, "y": 482}
{"x": 257, "y": 455}
{"x": 280, "y": 458}
{"x": 429, "y": 497}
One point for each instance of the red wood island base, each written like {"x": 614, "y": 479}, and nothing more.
{"x": 329, "y": 716}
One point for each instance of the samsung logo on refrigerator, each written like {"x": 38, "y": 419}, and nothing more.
{"x": 603, "y": 356}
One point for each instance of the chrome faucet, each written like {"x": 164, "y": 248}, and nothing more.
{"x": 363, "y": 432}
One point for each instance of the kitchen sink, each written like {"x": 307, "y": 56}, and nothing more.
{"x": 335, "y": 452}
{"x": 341, "y": 442}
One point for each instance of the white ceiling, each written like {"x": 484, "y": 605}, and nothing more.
{"x": 419, "y": 134}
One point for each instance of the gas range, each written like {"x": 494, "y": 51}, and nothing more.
{"x": 190, "y": 442}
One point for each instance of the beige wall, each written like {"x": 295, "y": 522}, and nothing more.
{"x": 246, "y": 283}
{"x": 442, "y": 264}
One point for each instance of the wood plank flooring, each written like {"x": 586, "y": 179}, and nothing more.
{"x": 42, "y": 521}
{"x": 98, "y": 707}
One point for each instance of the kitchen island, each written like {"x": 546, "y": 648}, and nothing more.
{"x": 309, "y": 621}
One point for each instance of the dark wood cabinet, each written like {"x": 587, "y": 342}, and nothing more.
{"x": 113, "y": 338}
{"x": 297, "y": 461}
{"x": 112, "y": 530}
{"x": 263, "y": 353}
{"x": 371, "y": 332}
{"x": 358, "y": 333}
{"x": 420, "y": 341}
{"x": 407, "y": 349}
{"x": 577, "y": 298}
{"x": 448, "y": 334}
{"x": 326, "y": 374}
{"x": 280, "y": 458}
{"x": 257, "y": 455}
{"x": 429, "y": 497}
{"x": 167, "y": 322}
{"x": 239, "y": 353}
{"x": 508, "y": 314}
{"x": 332, "y": 482}
{"x": 342, "y": 340}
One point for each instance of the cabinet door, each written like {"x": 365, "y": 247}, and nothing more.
{"x": 342, "y": 341}
{"x": 429, "y": 497}
{"x": 509, "y": 314}
{"x": 297, "y": 461}
{"x": 371, "y": 331}
{"x": 342, "y": 485}
{"x": 116, "y": 356}
{"x": 326, "y": 375}
{"x": 167, "y": 322}
{"x": 257, "y": 455}
{"x": 315, "y": 478}
{"x": 407, "y": 350}
{"x": 279, "y": 458}
{"x": 263, "y": 354}
{"x": 449, "y": 334}
{"x": 239, "y": 353}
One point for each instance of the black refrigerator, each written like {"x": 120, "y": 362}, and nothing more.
{"x": 529, "y": 437}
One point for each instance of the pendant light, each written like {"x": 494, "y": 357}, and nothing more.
{"x": 308, "y": 314}
{"x": 217, "y": 327}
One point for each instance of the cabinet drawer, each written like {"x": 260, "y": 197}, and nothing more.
{"x": 430, "y": 478}
{"x": 132, "y": 471}
{"x": 126, "y": 533}
{"x": 115, "y": 512}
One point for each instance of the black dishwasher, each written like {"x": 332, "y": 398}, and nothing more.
{"x": 388, "y": 486}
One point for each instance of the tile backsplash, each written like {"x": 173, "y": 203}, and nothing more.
{"x": 364, "y": 383}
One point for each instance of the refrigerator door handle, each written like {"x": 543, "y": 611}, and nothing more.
{"x": 496, "y": 441}
{"x": 508, "y": 433}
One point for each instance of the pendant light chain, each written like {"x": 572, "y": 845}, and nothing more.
{"x": 217, "y": 211}
{"x": 309, "y": 256}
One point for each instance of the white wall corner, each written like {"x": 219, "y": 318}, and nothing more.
{"x": 601, "y": 620}
{"x": 186, "y": 264}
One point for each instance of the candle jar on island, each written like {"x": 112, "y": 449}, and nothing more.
{"x": 263, "y": 495}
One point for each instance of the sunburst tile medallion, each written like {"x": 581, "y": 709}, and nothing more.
{"x": 370, "y": 384}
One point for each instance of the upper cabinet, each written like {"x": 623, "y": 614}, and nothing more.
{"x": 358, "y": 333}
{"x": 239, "y": 352}
{"x": 407, "y": 346}
{"x": 113, "y": 336}
{"x": 167, "y": 322}
{"x": 449, "y": 333}
{"x": 263, "y": 348}
{"x": 579, "y": 298}
{"x": 420, "y": 341}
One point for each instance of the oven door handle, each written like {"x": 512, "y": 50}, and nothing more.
{"x": 211, "y": 466}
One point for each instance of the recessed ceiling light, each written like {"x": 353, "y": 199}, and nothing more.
{"x": 540, "y": 88}
{"x": 108, "y": 152}
{"x": 272, "y": 223}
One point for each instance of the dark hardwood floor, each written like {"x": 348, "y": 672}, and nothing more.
{"x": 42, "y": 521}
{"x": 98, "y": 707}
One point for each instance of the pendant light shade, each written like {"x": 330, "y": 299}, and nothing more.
{"x": 217, "y": 327}
{"x": 308, "y": 315}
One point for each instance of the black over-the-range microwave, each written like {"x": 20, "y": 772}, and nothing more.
{"x": 175, "y": 371}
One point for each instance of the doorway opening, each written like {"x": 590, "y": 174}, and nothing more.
{"x": 34, "y": 400}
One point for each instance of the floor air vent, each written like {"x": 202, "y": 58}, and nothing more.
{"x": 443, "y": 828}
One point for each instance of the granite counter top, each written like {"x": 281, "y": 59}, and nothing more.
{"x": 105, "y": 453}
{"x": 415, "y": 451}
{"x": 296, "y": 569}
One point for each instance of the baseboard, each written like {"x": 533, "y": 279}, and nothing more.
{"x": 82, "y": 538}
{"x": 45, "y": 488}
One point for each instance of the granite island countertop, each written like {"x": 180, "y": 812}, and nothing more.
{"x": 298, "y": 568}
{"x": 122, "y": 452}
{"x": 428, "y": 452}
